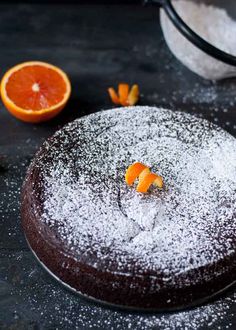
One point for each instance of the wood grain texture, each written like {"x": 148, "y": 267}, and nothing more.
{"x": 98, "y": 46}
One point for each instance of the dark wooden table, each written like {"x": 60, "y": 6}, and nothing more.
{"x": 98, "y": 46}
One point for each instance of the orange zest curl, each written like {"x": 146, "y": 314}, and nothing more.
{"x": 123, "y": 92}
{"x": 125, "y": 96}
{"x": 145, "y": 176}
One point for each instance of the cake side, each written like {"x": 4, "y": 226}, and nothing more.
{"x": 117, "y": 288}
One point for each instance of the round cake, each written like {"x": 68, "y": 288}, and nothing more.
{"x": 166, "y": 249}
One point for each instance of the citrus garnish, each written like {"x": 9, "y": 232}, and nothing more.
{"x": 145, "y": 176}
{"x": 35, "y": 91}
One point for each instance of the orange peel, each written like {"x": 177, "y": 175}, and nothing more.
{"x": 113, "y": 95}
{"x": 123, "y": 92}
{"x": 133, "y": 172}
{"x": 145, "y": 176}
{"x": 133, "y": 96}
{"x": 125, "y": 95}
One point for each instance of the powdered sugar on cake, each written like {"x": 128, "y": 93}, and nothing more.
{"x": 189, "y": 224}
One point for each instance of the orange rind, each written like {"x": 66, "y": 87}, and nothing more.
{"x": 123, "y": 92}
{"x": 113, "y": 95}
{"x": 125, "y": 96}
{"x": 133, "y": 172}
{"x": 145, "y": 176}
{"x": 133, "y": 96}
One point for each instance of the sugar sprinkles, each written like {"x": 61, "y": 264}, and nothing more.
{"x": 189, "y": 225}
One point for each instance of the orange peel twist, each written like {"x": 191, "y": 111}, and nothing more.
{"x": 125, "y": 95}
{"x": 145, "y": 176}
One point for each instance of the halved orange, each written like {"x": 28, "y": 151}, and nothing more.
{"x": 35, "y": 91}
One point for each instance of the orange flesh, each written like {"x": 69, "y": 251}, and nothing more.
{"x": 35, "y": 87}
{"x": 133, "y": 172}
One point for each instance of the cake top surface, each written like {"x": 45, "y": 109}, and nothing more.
{"x": 102, "y": 221}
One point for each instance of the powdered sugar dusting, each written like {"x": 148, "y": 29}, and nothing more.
{"x": 71, "y": 312}
{"x": 191, "y": 223}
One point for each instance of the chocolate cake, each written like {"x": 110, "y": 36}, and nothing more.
{"x": 162, "y": 250}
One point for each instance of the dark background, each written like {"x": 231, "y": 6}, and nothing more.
{"x": 79, "y": 2}
{"x": 98, "y": 46}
